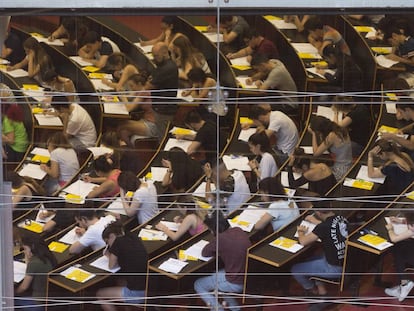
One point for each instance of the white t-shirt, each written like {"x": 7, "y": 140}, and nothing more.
{"x": 282, "y": 213}
{"x": 147, "y": 196}
{"x": 93, "y": 235}
{"x": 241, "y": 192}
{"x": 68, "y": 163}
{"x": 80, "y": 124}
{"x": 267, "y": 165}
{"x": 287, "y": 135}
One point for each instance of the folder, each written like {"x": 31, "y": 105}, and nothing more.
{"x": 90, "y": 68}
{"x": 40, "y": 158}
{"x": 58, "y": 247}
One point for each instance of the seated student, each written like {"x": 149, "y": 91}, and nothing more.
{"x": 232, "y": 183}
{"x": 356, "y": 119}
{"x": 144, "y": 202}
{"x": 201, "y": 84}
{"x": 398, "y": 167}
{"x": 230, "y": 244}
{"x": 14, "y": 135}
{"x": 126, "y": 251}
{"x": 264, "y": 164}
{"x": 121, "y": 71}
{"x": 402, "y": 249}
{"x": 205, "y": 138}
{"x": 332, "y": 230}
{"x": 318, "y": 175}
{"x": 191, "y": 220}
{"x": 107, "y": 178}
{"x": 70, "y": 31}
{"x": 281, "y": 210}
{"x": 169, "y": 32}
{"x": 40, "y": 261}
{"x": 96, "y": 50}
{"x": 90, "y": 230}
{"x": 234, "y": 30}
{"x": 183, "y": 172}
{"x": 64, "y": 162}
{"x": 78, "y": 126}
{"x": 12, "y": 49}
{"x": 140, "y": 101}
{"x": 36, "y": 60}
{"x": 186, "y": 58}
{"x": 257, "y": 44}
{"x": 298, "y": 20}
{"x": 25, "y": 189}
{"x": 332, "y": 138}
{"x": 348, "y": 76}
{"x": 321, "y": 35}
{"x": 57, "y": 83}
{"x": 271, "y": 74}
{"x": 276, "y": 123}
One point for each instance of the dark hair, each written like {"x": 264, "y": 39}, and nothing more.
{"x": 225, "y": 18}
{"x": 117, "y": 58}
{"x": 197, "y": 75}
{"x": 216, "y": 222}
{"x": 262, "y": 140}
{"x": 387, "y": 146}
{"x": 128, "y": 181}
{"x": 91, "y": 37}
{"x": 301, "y": 158}
{"x": 188, "y": 54}
{"x": 32, "y": 44}
{"x": 273, "y": 187}
{"x": 58, "y": 139}
{"x": 258, "y": 59}
{"x": 49, "y": 75}
{"x": 39, "y": 248}
{"x": 313, "y": 24}
{"x": 17, "y": 181}
{"x": 391, "y": 30}
{"x": 113, "y": 228}
{"x": 139, "y": 78}
{"x": 323, "y": 126}
{"x": 41, "y": 58}
{"x": 257, "y": 111}
{"x": 103, "y": 164}
{"x": 87, "y": 213}
{"x": 331, "y": 49}
{"x": 409, "y": 216}
{"x": 110, "y": 139}
{"x": 171, "y": 21}
{"x": 405, "y": 103}
{"x": 252, "y": 33}
{"x": 193, "y": 117}
{"x": 15, "y": 113}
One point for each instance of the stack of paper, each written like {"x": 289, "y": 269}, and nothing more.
{"x": 116, "y": 207}
{"x": 201, "y": 190}
{"x": 399, "y": 228}
{"x": 363, "y": 174}
{"x": 80, "y": 61}
{"x": 243, "y": 82}
{"x": 391, "y": 107}
{"x": 180, "y": 143}
{"x": 173, "y": 226}
{"x": 152, "y": 235}
{"x": 17, "y": 73}
{"x": 285, "y": 180}
{"x": 100, "y": 86}
{"x": 173, "y": 265}
{"x": 248, "y": 218}
{"x": 327, "y": 112}
{"x": 308, "y": 225}
{"x": 33, "y": 171}
{"x": 4, "y": 61}
{"x": 98, "y": 151}
{"x": 314, "y": 71}
{"x": 103, "y": 264}
{"x": 214, "y": 36}
{"x": 115, "y": 108}
{"x": 384, "y": 61}
{"x": 56, "y": 42}
{"x": 187, "y": 98}
{"x": 375, "y": 241}
{"x": 48, "y": 120}
{"x": 245, "y": 134}
{"x": 196, "y": 249}
{"x": 78, "y": 275}
{"x": 286, "y": 244}
{"x": 358, "y": 183}
{"x": 19, "y": 269}
{"x": 281, "y": 24}
{"x": 236, "y": 163}
{"x": 70, "y": 237}
{"x": 158, "y": 173}
{"x": 80, "y": 188}
{"x": 306, "y": 48}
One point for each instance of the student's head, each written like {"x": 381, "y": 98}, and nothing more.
{"x": 116, "y": 61}
{"x": 49, "y": 75}
{"x": 409, "y": 216}
{"x": 323, "y": 209}
{"x": 6, "y": 96}
{"x": 127, "y": 181}
{"x": 216, "y": 222}
{"x": 226, "y": 21}
{"x": 85, "y": 217}
{"x": 160, "y": 53}
{"x": 259, "y": 143}
{"x": 314, "y": 26}
{"x": 394, "y": 36}
{"x": 344, "y": 104}
{"x": 253, "y": 38}
{"x": 302, "y": 161}
{"x": 16, "y": 180}
{"x": 137, "y": 81}
{"x": 57, "y": 140}
{"x": 91, "y": 42}
{"x": 103, "y": 165}
{"x": 323, "y": 126}
{"x": 14, "y": 112}
{"x": 197, "y": 76}
{"x": 110, "y": 139}
{"x": 112, "y": 231}
{"x": 259, "y": 62}
{"x": 386, "y": 149}
{"x": 60, "y": 104}
{"x": 271, "y": 189}
{"x": 193, "y": 120}
{"x": 31, "y": 45}
{"x": 170, "y": 23}
{"x": 183, "y": 48}
{"x": 405, "y": 107}
{"x": 223, "y": 174}
{"x": 260, "y": 116}
{"x": 35, "y": 246}
{"x": 332, "y": 54}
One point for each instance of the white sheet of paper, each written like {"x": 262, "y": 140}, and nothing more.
{"x": 250, "y": 215}
{"x": 98, "y": 151}
{"x": 281, "y": 24}
{"x": 70, "y": 237}
{"x": 17, "y": 73}
{"x": 309, "y": 150}
{"x": 308, "y": 225}
{"x": 371, "y": 34}
{"x": 146, "y": 48}
{"x": 45, "y": 220}
{"x": 80, "y": 61}
{"x": 40, "y": 151}
{"x": 19, "y": 269}
{"x": 240, "y": 61}
{"x": 56, "y": 42}
{"x": 305, "y": 48}
{"x": 187, "y": 98}
{"x": 158, "y": 173}
{"x": 115, "y": 108}
{"x": 116, "y": 207}
{"x": 385, "y": 62}
{"x": 150, "y": 234}
{"x": 172, "y": 142}
{"x": 243, "y": 82}
{"x": 80, "y": 188}
{"x": 313, "y": 70}
{"x": 103, "y": 264}
{"x": 245, "y": 134}
{"x": 38, "y": 95}
{"x": 99, "y": 85}
{"x": 4, "y": 61}
{"x": 363, "y": 174}
{"x": 398, "y": 228}
{"x": 46, "y": 120}
{"x": 170, "y": 225}
{"x": 327, "y": 112}
{"x": 196, "y": 249}
{"x": 391, "y": 107}
{"x": 201, "y": 190}
{"x": 236, "y": 163}
{"x": 214, "y": 36}
{"x": 173, "y": 265}
{"x": 285, "y": 180}
{"x": 32, "y": 170}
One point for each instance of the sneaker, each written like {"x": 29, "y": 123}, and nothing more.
{"x": 405, "y": 290}
{"x": 394, "y": 291}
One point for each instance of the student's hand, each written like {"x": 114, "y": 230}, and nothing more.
{"x": 253, "y": 164}
{"x": 389, "y": 226}
{"x": 249, "y": 81}
{"x": 374, "y": 151}
{"x": 166, "y": 163}
{"x": 186, "y": 93}
{"x": 106, "y": 81}
{"x": 210, "y": 28}
{"x": 310, "y": 130}
{"x": 207, "y": 170}
{"x": 258, "y": 83}
{"x": 230, "y": 55}
{"x": 161, "y": 227}
{"x": 10, "y": 68}
{"x": 87, "y": 178}
{"x": 388, "y": 136}
{"x": 80, "y": 231}
{"x": 397, "y": 220}
{"x": 43, "y": 167}
{"x": 303, "y": 229}
{"x": 320, "y": 71}
{"x": 245, "y": 126}
{"x": 311, "y": 218}
{"x": 291, "y": 160}
{"x": 178, "y": 219}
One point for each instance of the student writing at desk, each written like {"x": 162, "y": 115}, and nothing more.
{"x": 40, "y": 261}
{"x": 169, "y": 32}
{"x": 12, "y": 48}
{"x": 201, "y": 84}
{"x": 230, "y": 244}
{"x": 57, "y": 83}
{"x": 402, "y": 252}
{"x": 70, "y": 31}
{"x": 96, "y": 50}
{"x": 121, "y": 69}
{"x": 298, "y": 20}
{"x": 26, "y": 191}
{"x": 126, "y": 251}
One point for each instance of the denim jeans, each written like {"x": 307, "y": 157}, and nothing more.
{"x": 30, "y": 304}
{"x": 318, "y": 267}
{"x": 206, "y": 286}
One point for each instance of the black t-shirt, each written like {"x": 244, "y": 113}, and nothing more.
{"x": 333, "y": 233}
{"x": 13, "y": 42}
{"x": 359, "y": 128}
{"x": 106, "y": 48}
{"x": 207, "y": 136}
{"x": 164, "y": 77}
{"x": 132, "y": 258}
{"x": 397, "y": 179}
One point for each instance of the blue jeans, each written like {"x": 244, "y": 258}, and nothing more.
{"x": 206, "y": 286}
{"x": 318, "y": 267}
{"x": 30, "y": 304}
